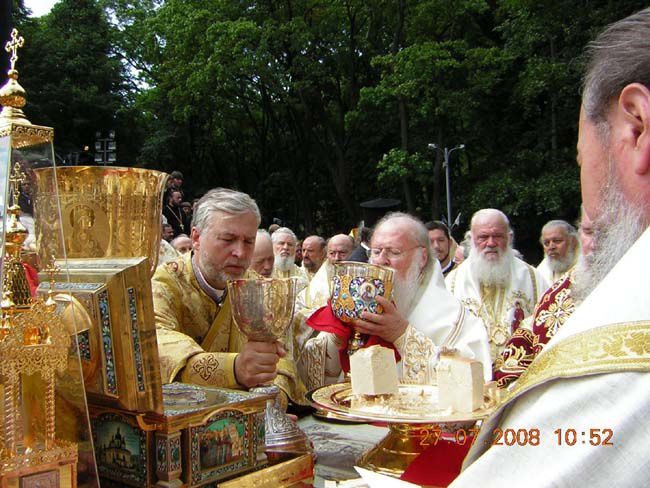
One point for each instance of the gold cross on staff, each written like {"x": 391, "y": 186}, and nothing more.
{"x": 17, "y": 178}
{"x": 13, "y": 45}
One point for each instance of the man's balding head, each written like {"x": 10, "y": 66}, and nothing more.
{"x": 399, "y": 239}
{"x": 263, "y": 257}
{"x": 614, "y": 144}
{"x": 339, "y": 247}
{"x": 313, "y": 253}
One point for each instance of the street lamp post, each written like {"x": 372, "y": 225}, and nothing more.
{"x": 447, "y": 153}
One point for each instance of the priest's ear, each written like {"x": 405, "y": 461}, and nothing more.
{"x": 632, "y": 116}
{"x": 194, "y": 235}
{"x": 425, "y": 256}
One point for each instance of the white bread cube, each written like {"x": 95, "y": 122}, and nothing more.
{"x": 374, "y": 371}
{"x": 460, "y": 384}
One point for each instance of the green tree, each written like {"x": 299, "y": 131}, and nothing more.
{"x": 74, "y": 82}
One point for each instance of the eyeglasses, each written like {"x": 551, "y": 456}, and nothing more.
{"x": 391, "y": 252}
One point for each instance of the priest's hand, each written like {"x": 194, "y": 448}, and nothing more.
{"x": 389, "y": 325}
{"x": 256, "y": 364}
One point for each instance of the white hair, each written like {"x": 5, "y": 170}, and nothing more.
{"x": 283, "y": 230}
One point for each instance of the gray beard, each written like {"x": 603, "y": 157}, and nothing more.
{"x": 619, "y": 226}
{"x": 561, "y": 265}
{"x": 213, "y": 276}
{"x": 405, "y": 290}
{"x": 283, "y": 264}
{"x": 488, "y": 273}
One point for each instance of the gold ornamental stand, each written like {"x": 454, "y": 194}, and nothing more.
{"x": 414, "y": 421}
{"x": 40, "y": 383}
{"x": 403, "y": 443}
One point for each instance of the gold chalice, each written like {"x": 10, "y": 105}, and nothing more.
{"x": 263, "y": 311}
{"x": 355, "y": 287}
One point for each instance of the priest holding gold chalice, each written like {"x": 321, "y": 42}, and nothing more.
{"x": 198, "y": 340}
{"x": 420, "y": 320}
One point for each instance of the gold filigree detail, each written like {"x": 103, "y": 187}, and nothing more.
{"x": 27, "y": 135}
{"x": 45, "y": 357}
{"x": 313, "y": 361}
{"x": 62, "y": 450}
{"x": 611, "y": 348}
{"x": 416, "y": 352}
{"x": 554, "y": 316}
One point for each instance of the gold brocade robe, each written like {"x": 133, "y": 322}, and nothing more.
{"x": 189, "y": 323}
{"x": 293, "y": 272}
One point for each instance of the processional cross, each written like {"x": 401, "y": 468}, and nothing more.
{"x": 13, "y": 45}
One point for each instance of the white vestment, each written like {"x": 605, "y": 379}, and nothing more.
{"x": 502, "y": 309}
{"x": 436, "y": 319}
{"x": 592, "y": 379}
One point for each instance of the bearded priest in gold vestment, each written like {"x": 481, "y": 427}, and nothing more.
{"x": 198, "y": 340}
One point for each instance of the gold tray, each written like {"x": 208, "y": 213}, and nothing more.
{"x": 414, "y": 404}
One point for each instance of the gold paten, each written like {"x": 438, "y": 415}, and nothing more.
{"x": 105, "y": 212}
{"x": 414, "y": 420}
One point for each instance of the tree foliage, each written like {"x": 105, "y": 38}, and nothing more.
{"x": 314, "y": 106}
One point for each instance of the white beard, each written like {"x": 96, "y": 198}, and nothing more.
{"x": 560, "y": 265}
{"x": 405, "y": 290}
{"x": 283, "y": 264}
{"x": 619, "y": 226}
{"x": 491, "y": 272}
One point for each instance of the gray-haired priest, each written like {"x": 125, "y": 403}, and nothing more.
{"x": 424, "y": 318}
{"x": 198, "y": 341}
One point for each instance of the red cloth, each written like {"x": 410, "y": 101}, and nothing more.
{"x": 324, "y": 320}
{"x": 439, "y": 465}
{"x": 32, "y": 277}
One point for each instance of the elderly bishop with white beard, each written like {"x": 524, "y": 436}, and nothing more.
{"x": 423, "y": 318}
{"x": 492, "y": 283}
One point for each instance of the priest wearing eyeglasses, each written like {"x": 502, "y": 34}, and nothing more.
{"x": 421, "y": 320}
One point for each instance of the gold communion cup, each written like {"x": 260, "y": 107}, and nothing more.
{"x": 106, "y": 212}
{"x": 355, "y": 287}
{"x": 263, "y": 310}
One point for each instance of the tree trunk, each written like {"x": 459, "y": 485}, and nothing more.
{"x": 553, "y": 111}
{"x": 403, "y": 112}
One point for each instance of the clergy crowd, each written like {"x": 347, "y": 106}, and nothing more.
{"x": 568, "y": 340}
